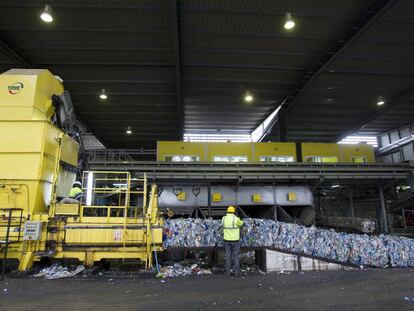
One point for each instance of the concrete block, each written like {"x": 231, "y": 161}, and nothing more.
{"x": 277, "y": 261}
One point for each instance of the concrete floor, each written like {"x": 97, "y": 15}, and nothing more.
{"x": 323, "y": 290}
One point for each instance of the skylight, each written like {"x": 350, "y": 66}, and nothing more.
{"x": 260, "y": 131}
{"x": 208, "y": 137}
{"x": 255, "y": 136}
{"x": 358, "y": 139}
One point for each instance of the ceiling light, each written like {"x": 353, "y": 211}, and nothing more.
{"x": 380, "y": 101}
{"x": 128, "y": 131}
{"x": 46, "y": 15}
{"x": 289, "y": 22}
{"x": 248, "y": 98}
{"x": 103, "y": 95}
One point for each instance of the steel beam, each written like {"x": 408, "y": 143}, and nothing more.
{"x": 344, "y": 173}
{"x": 359, "y": 27}
{"x": 246, "y": 67}
{"x": 176, "y": 34}
{"x": 14, "y": 52}
{"x": 351, "y": 204}
{"x": 248, "y": 52}
{"x": 84, "y": 5}
{"x": 395, "y": 102}
{"x": 98, "y": 63}
{"x": 383, "y": 211}
{"x": 281, "y": 121}
{"x": 82, "y": 29}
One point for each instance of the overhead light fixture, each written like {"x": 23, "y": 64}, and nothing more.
{"x": 103, "y": 95}
{"x": 46, "y": 15}
{"x": 289, "y": 22}
{"x": 380, "y": 101}
{"x": 248, "y": 98}
{"x": 129, "y": 131}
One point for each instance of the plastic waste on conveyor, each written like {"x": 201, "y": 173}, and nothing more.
{"x": 355, "y": 249}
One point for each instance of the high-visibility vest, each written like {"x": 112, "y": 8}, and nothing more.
{"x": 231, "y": 227}
{"x": 75, "y": 193}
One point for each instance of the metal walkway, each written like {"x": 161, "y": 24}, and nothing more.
{"x": 259, "y": 172}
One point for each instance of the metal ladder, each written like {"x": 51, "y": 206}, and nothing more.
{"x": 4, "y": 244}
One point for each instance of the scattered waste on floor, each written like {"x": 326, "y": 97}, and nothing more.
{"x": 177, "y": 269}
{"x": 57, "y": 271}
{"x": 357, "y": 249}
{"x": 284, "y": 272}
{"x": 409, "y": 299}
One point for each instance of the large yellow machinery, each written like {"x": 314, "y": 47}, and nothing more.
{"x": 38, "y": 162}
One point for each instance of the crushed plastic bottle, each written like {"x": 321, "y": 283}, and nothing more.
{"x": 357, "y": 249}
{"x": 57, "y": 271}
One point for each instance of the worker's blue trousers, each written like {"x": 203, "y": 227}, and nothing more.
{"x": 232, "y": 255}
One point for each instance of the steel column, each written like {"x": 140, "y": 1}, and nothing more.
{"x": 351, "y": 204}
{"x": 281, "y": 122}
{"x": 383, "y": 211}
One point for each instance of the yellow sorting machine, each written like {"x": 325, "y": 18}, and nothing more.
{"x": 117, "y": 216}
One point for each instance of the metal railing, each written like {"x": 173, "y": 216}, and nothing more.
{"x": 9, "y": 221}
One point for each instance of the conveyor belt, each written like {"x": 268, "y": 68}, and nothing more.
{"x": 262, "y": 172}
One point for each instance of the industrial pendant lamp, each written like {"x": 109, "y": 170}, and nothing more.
{"x": 103, "y": 95}
{"x": 380, "y": 101}
{"x": 248, "y": 98}
{"x": 46, "y": 15}
{"x": 289, "y": 22}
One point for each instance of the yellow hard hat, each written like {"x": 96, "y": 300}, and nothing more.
{"x": 231, "y": 209}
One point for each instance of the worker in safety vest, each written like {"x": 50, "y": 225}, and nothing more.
{"x": 231, "y": 231}
{"x": 75, "y": 194}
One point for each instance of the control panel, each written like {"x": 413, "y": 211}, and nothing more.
{"x": 32, "y": 230}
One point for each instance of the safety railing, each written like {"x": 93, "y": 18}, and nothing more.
{"x": 9, "y": 221}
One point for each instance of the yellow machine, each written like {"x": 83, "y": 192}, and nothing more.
{"x": 117, "y": 217}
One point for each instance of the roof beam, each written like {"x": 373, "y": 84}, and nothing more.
{"x": 358, "y": 28}
{"x": 261, "y": 12}
{"x": 394, "y": 103}
{"x": 245, "y": 67}
{"x": 176, "y": 34}
{"x": 248, "y": 52}
{"x": 83, "y": 29}
{"x": 376, "y": 10}
{"x": 14, "y": 52}
{"x": 82, "y": 5}
{"x": 98, "y": 63}
{"x": 121, "y": 81}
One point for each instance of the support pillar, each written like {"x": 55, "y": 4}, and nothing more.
{"x": 281, "y": 123}
{"x": 351, "y": 204}
{"x": 383, "y": 211}
{"x": 260, "y": 259}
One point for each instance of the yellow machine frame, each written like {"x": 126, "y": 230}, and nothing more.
{"x": 34, "y": 157}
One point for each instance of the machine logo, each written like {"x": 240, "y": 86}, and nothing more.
{"x": 15, "y": 88}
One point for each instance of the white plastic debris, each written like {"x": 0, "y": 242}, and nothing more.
{"x": 177, "y": 269}
{"x": 57, "y": 271}
{"x": 357, "y": 249}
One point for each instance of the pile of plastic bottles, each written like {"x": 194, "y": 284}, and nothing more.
{"x": 358, "y": 249}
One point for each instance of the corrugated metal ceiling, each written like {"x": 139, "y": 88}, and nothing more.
{"x": 225, "y": 47}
